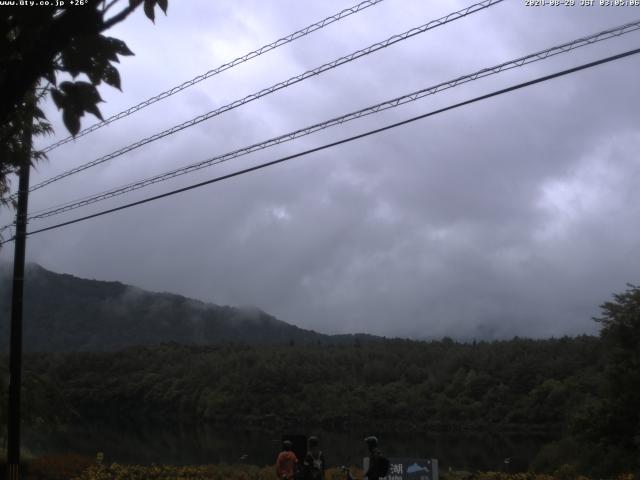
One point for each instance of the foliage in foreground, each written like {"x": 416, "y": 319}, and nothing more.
{"x": 82, "y": 467}
{"x": 58, "y": 467}
{"x": 39, "y": 45}
{"x": 566, "y": 472}
{"x": 249, "y": 472}
{"x": 199, "y": 472}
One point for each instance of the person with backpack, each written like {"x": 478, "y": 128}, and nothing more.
{"x": 287, "y": 462}
{"x": 378, "y": 465}
{"x": 313, "y": 465}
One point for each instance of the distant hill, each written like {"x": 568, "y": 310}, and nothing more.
{"x": 66, "y": 313}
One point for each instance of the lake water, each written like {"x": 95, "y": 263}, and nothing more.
{"x": 188, "y": 445}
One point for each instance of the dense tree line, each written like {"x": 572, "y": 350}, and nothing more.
{"x": 557, "y": 386}
{"x": 508, "y": 385}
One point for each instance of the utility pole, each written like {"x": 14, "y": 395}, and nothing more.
{"x": 15, "y": 348}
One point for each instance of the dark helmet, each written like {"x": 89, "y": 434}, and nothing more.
{"x": 287, "y": 445}
{"x": 371, "y": 441}
{"x": 313, "y": 442}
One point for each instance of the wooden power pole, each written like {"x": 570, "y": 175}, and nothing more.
{"x": 15, "y": 347}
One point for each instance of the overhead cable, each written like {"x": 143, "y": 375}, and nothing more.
{"x": 388, "y": 104}
{"x": 278, "y": 86}
{"x": 226, "y": 66}
{"x": 339, "y": 142}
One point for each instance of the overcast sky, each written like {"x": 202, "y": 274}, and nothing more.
{"x": 515, "y": 216}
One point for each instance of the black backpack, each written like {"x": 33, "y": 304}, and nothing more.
{"x": 379, "y": 466}
{"x": 383, "y": 466}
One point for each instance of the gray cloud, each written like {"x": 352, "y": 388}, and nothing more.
{"x": 514, "y": 216}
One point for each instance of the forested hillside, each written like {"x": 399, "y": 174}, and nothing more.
{"x": 511, "y": 385}
{"x": 66, "y": 313}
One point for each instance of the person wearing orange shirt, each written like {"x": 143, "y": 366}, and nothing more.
{"x": 286, "y": 462}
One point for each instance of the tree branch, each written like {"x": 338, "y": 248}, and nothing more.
{"x": 107, "y": 7}
{"x": 120, "y": 16}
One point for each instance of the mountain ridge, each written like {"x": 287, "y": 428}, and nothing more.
{"x": 63, "y": 312}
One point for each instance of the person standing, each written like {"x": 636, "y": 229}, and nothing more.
{"x": 287, "y": 462}
{"x": 378, "y": 465}
{"x": 314, "y": 464}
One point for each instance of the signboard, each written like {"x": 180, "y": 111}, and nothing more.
{"x": 409, "y": 468}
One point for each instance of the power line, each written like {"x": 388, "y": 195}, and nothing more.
{"x": 340, "y": 142}
{"x": 278, "y": 86}
{"x": 226, "y": 66}
{"x": 518, "y": 62}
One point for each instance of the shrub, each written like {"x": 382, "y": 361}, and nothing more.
{"x": 57, "y": 467}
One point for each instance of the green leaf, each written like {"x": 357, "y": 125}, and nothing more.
{"x": 94, "y": 110}
{"x": 38, "y": 113}
{"x": 38, "y": 155}
{"x": 58, "y": 98}
{"x": 74, "y": 60}
{"x": 148, "y": 9}
{"x": 68, "y": 87}
{"x": 120, "y": 47}
{"x": 95, "y": 75}
{"x": 111, "y": 55}
{"x": 104, "y": 48}
{"x": 81, "y": 97}
{"x": 72, "y": 121}
{"x": 86, "y": 94}
{"x": 112, "y": 77}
